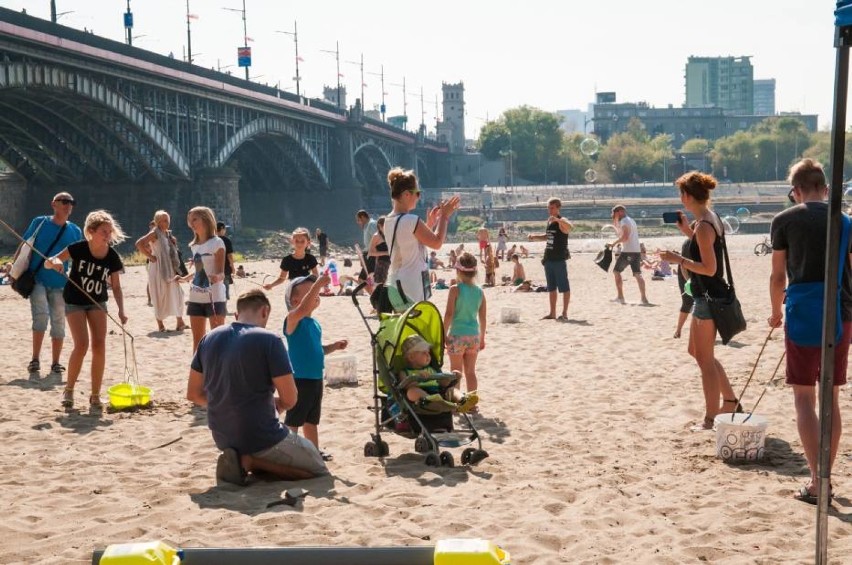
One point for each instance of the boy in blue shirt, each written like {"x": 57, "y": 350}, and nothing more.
{"x": 307, "y": 354}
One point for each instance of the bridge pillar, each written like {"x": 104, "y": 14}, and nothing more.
{"x": 13, "y": 192}
{"x": 219, "y": 189}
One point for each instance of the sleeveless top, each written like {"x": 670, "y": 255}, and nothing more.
{"x": 714, "y": 285}
{"x": 557, "y": 243}
{"x": 466, "y": 315}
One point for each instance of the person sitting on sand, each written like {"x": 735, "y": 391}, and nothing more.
{"x": 451, "y": 263}
{"x": 241, "y": 272}
{"x": 518, "y": 273}
{"x": 434, "y": 262}
{"x": 426, "y": 393}
{"x": 524, "y": 286}
{"x": 524, "y": 251}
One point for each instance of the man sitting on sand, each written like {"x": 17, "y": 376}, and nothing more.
{"x": 235, "y": 372}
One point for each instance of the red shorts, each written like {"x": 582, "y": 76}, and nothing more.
{"x": 483, "y": 244}
{"x": 804, "y": 363}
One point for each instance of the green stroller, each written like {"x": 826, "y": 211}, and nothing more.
{"x": 432, "y": 429}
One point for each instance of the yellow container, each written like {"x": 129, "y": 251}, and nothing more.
{"x": 126, "y": 395}
{"x": 469, "y": 552}
{"x": 142, "y": 553}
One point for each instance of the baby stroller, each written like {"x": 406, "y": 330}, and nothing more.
{"x": 431, "y": 429}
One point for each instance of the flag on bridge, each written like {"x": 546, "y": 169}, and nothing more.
{"x": 244, "y": 56}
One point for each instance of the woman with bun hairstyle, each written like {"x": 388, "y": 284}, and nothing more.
{"x": 705, "y": 269}
{"x": 408, "y": 237}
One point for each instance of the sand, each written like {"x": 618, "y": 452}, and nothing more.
{"x": 587, "y": 426}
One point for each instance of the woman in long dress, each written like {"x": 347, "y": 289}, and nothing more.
{"x": 163, "y": 264}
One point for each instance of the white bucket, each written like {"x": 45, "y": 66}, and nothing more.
{"x": 341, "y": 369}
{"x": 739, "y": 440}
{"x": 510, "y": 315}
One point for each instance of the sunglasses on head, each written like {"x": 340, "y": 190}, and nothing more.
{"x": 790, "y": 196}
{"x": 70, "y": 201}
{"x": 415, "y": 191}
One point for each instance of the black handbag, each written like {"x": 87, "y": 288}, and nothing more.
{"x": 379, "y": 298}
{"x": 726, "y": 309}
{"x": 25, "y": 283}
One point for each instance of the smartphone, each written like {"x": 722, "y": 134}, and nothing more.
{"x": 671, "y": 217}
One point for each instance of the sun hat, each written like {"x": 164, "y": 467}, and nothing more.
{"x": 415, "y": 343}
{"x": 293, "y": 284}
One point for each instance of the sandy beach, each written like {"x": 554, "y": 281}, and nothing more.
{"x": 587, "y": 424}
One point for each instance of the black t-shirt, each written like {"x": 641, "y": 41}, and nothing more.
{"x": 229, "y": 248}
{"x": 322, "y": 240}
{"x": 557, "y": 243}
{"x": 90, "y": 273}
{"x": 298, "y": 267}
{"x": 800, "y": 231}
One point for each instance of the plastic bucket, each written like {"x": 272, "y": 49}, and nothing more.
{"x": 341, "y": 369}
{"x": 469, "y": 552}
{"x": 740, "y": 440}
{"x": 126, "y": 395}
{"x": 510, "y": 315}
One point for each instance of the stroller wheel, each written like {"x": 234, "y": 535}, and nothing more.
{"x": 421, "y": 444}
{"x": 384, "y": 450}
{"x": 477, "y": 456}
{"x": 432, "y": 459}
{"x": 447, "y": 459}
{"x": 371, "y": 449}
{"x": 465, "y": 456}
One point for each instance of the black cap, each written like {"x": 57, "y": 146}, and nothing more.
{"x": 220, "y": 225}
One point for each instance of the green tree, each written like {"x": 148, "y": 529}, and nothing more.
{"x": 633, "y": 156}
{"x": 695, "y": 145}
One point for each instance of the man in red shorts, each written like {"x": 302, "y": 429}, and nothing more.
{"x": 483, "y": 236}
{"x": 798, "y": 257}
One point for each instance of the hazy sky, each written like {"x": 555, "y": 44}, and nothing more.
{"x": 553, "y": 54}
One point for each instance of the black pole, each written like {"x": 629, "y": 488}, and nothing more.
{"x": 843, "y": 38}
{"x": 129, "y": 28}
{"x": 188, "y": 36}
{"x": 53, "y": 11}
{"x": 245, "y": 35}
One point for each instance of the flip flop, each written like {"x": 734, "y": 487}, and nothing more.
{"x": 548, "y": 317}
{"x": 326, "y": 456}
{"x": 805, "y": 496}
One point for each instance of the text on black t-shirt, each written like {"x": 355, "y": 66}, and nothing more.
{"x": 89, "y": 273}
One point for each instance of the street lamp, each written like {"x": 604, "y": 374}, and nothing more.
{"x": 295, "y": 34}
{"x": 189, "y": 17}
{"x": 404, "y": 102}
{"x": 336, "y": 54}
{"x": 510, "y": 154}
{"x": 128, "y": 24}
{"x": 363, "y": 105}
{"x": 245, "y": 32}
{"x": 382, "y": 75}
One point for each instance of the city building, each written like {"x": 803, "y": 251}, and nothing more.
{"x": 330, "y": 93}
{"x": 764, "y": 97}
{"x": 450, "y": 130}
{"x": 681, "y": 123}
{"x": 721, "y": 82}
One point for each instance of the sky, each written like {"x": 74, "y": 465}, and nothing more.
{"x": 551, "y": 54}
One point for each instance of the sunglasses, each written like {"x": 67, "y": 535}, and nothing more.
{"x": 70, "y": 201}
{"x": 790, "y": 196}
{"x": 415, "y": 192}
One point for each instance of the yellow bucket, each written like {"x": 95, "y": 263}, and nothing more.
{"x": 126, "y": 395}
{"x": 469, "y": 552}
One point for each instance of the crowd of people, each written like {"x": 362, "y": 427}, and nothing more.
{"x": 75, "y": 268}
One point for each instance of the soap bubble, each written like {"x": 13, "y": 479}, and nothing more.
{"x": 590, "y": 175}
{"x": 644, "y": 213}
{"x": 589, "y": 146}
{"x": 731, "y": 225}
{"x": 743, "y": 214}
{"x": 613, "y": 167}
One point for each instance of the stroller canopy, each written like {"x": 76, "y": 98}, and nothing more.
{"x": 422, "y": 319}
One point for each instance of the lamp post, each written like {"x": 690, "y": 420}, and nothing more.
{"x": 188, "y": 35}
{"x": 382, "y": 75}
{"x": 53, "y": 11}
{"x": 361, "y": 64}
{"x": 295, "y": 34}
{"x": 245, "y": 31}
{"x": 336, "y": 54}
{"x": 404, "y": 102}
{"x": 128, "y": 24}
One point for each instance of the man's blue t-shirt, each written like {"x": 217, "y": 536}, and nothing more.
{"x": 72, "y": 234}
{"x": 305, "y": 347}
{"x": 238, "y": 362}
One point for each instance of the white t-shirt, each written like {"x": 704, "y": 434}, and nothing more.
{"x": 632, "y": 243}
{"x": 408, "y": 257}
{"x": 204, "y": 258}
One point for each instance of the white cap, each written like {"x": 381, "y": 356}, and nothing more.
{"x": 293, "y": 284}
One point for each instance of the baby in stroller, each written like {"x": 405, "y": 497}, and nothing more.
{"x": 435, "y": 393}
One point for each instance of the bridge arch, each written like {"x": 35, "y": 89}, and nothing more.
{"x": 151, "y": 149}
{"x": 371, "y": 164}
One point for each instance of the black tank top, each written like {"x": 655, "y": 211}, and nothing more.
{"x": 714, "y": 285}
{"x": 557, "y": 243}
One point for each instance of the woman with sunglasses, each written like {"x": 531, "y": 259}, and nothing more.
{"x": 408, "y": 237}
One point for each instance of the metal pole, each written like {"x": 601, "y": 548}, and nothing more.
{"x": 337, "y": 58}
{"x": 245, "y": 34}
{"x": 127, "y": 28}
{"x": 843, "y": 38}
{"x": 383, "y": 93}
{"x": 53, "y": 11}
{"x": 422, "y": 111}
{"x": 188, "y": 36}
{"x": 363, "y": 104}
{"x": 404, "y": 104}
{"x": 296, "y": 40}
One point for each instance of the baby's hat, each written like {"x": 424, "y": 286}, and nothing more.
{"x": 415, "y": 343}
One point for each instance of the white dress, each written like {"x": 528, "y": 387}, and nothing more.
{"x": 166, "y": 295}
{"x": 408, "y": 260}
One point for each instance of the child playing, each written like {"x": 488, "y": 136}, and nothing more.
{"x": 307, "y": 355}
{"x": 95, "y": 265}
{"x": 451, "y": 263}
{"x": 518, "y": 273}
{"x": 491, "y": 265}
{"x": 501, "y": 244}
{"x": 299, "y": 263}
{"x": 418, "y": 359}
{"x": 465, "y": 335}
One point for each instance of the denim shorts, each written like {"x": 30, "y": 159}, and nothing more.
{"x": 47, "y": 303}
{"x": 701, "y": 309}
{"x": 556, "y": 274}
{"x": 69, "y": 308}
{"x": 206, "y": 310}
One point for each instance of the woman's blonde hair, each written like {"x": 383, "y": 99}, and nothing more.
{"x": 159, "y": 215}
{"x": 301, "y": 231}
{"x": 209, "y": 219}
{"x": 96, "y": 219}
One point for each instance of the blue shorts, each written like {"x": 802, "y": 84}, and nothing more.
{"x": 701, "y": 309}
{"x": 69, "y": 308}
{"x": 206, "y": 310}
{"x": 556, "y": 274}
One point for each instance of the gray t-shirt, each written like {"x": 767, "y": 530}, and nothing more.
{"x": 800, "y": 231}
{"x": 238, "y": 362}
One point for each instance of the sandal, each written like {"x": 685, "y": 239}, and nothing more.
{"x": 34, "y": 366}
{"x": 181, "y": 328}
{"x": 68, "y": 398}
{"x": 95, "y": 402}
{"x": 706, "y": 425}
{"x": 57, "y": 368}
{"x": 739, "y": 408}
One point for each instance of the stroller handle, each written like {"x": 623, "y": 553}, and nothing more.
{"x": 356, "y": 290}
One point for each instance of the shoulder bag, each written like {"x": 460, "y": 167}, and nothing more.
{"x": 379, "y": 298}
{"x": 25, "y": 284}
{"x": 726, "y": 309}
{"x": 22, "y": 261}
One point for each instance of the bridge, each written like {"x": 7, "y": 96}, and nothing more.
{"x": 133, "y": 131}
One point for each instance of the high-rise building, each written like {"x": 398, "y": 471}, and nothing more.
{"x": 764, "y": 97}
{"x": 450, "y": 130}
{"x": 721, "y": 82}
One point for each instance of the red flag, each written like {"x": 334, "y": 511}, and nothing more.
{"x": 340, "y": 75}
{"x": 249, "y": 39}
{"x": 192, "y": 16}
{"x": 300, "y": 59}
